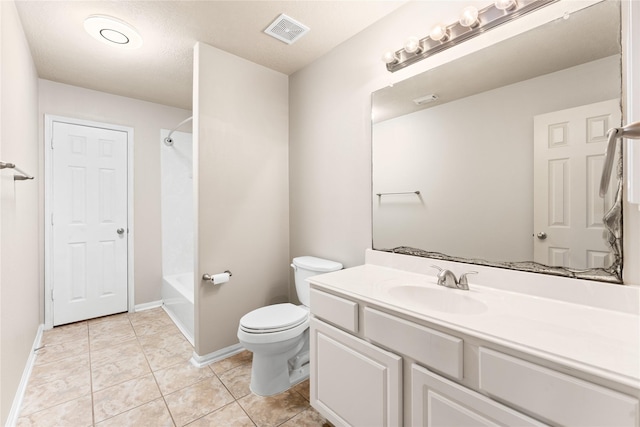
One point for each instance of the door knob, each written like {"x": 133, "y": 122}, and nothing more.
{"x": 542, "y": 235}
{"x": 120, "y": 231}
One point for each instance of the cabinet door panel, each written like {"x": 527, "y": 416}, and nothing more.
{"x": 438, "y": 402}
{"x": 353, "y": 383}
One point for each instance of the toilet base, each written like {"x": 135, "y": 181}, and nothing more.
{"x": 272, "y": 375}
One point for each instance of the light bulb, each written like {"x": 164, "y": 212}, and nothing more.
{"x": 389, "y": 57}
{"x": 505, "y": 4}
{"x": 469, "y": 17}
{"x": 439, "y": 33}
{"x": 412, "y": 45}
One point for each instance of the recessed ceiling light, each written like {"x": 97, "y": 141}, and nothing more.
{"x": 112, "y": 31}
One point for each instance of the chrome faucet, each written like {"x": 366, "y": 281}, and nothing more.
{"x": 447, "y": 279}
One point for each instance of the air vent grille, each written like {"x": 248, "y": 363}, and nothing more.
{"x": 286, "y": 29}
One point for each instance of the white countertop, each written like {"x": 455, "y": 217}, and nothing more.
{"x": 602, "y": 342}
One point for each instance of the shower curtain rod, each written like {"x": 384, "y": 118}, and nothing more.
{"x": 168, "y": 141}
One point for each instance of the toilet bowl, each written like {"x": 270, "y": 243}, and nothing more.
{"x": 278, "y": 335}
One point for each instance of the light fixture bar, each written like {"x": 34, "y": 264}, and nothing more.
{"x": 488, "y": 18}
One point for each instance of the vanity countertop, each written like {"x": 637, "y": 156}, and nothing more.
{"x": 602, "y": 342}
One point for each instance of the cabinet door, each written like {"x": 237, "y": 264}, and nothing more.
{"x": 354, "y": 383}
{"x": 438, "y": 402}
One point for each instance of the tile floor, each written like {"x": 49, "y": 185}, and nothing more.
{"x": 134, "y": 370}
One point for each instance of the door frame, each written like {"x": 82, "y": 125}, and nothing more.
{"x": 48, "y": 208}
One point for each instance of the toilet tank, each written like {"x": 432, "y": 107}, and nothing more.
{"x": 307, "y": 266}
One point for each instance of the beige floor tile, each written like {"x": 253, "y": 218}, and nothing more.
{"x": 119, "y": 371}
{"x": 163, "y": 351}
{"x": 179, "y": 376}
{"x": 307, "y": 418}
{"x": 151, "y": 327}
{"x": 108, "y": 333}
{"x": 61, "y": 369}
{"x": 53, "y": 393}
{"x": 122, "y": 350}
{"x": 161, "y": 340}
{"x": 157, "y": 315}
{"x": 195, "y": 401}
{"x": 231, "y": 362}
{"x": 152, "y": 414}
{"x": 273, "y": 410}
{"x": 75, "y": 413}
{"x": 120, "y": 398}
{"x": 303, "y": 389}
{"x": 237, "y": 380}
{"x": 55, "y": 352}
{"x": 113, "y": 318}
{"x": 231, "y": 415}
{"x": 71, "y": 332}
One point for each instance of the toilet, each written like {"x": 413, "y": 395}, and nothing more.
{"x": 278, "y": 335}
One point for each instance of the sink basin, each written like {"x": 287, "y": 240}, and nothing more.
{"x": 444, "y": 300}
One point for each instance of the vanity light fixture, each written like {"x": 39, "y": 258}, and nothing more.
{"x": 506, "y": 4}
{"x": 412, "y": 45}
{"x": 440, "y": 33}
{"x": 469, "y": 17}
{"x": 472, "y": 22}
{"x": 112, "y": 31}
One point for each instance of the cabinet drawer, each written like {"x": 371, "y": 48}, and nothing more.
{"x": 339, "y": 311}
{"x": 436, "y": 350}
{"x": 440, "y": 402}
{"x": 553, "y": 396}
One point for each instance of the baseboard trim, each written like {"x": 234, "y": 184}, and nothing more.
{"x": 147, "y": 305}
{"x": 12, "y": 419}
{"x": 207, "y": 359}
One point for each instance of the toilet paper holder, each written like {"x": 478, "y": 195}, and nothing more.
{"x": 212, "y": 277}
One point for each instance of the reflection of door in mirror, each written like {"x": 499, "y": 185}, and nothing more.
{"x": 569, "y": 147}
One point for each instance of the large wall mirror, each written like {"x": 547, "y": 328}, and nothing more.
{"x": 501, "y": 165}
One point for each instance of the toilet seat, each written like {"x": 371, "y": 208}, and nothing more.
{"x": 273, "y": 318}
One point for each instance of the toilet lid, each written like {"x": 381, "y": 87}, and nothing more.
{"x": 273, "y": 318}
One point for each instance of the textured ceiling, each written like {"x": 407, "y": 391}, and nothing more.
{"x": 161, "y": 70}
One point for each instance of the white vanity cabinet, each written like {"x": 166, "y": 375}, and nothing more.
{"x": 354, "y": 383}
{"x": 373, "y": 366}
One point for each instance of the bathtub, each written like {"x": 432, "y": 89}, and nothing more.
{"x": 177, "y": 298}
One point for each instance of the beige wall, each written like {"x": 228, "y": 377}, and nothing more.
{"x": 240, "y": 158}
{"x": 20, "y": 288}
{"x": 330, "y": 128}
{"x": 146, "y": 119}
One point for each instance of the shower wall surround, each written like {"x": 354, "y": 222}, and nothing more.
{"x": 177, "y": 204}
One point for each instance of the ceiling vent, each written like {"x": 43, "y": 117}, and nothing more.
{"x": 286, "y": 29}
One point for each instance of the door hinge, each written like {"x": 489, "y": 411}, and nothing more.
{"x": 51, "y": 218}
{"x": 51, "y": 294}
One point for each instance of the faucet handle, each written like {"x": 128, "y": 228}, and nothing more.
{"x": 440, "y": 269}
{"x": 446, "y": 277}
{"x": 463, "y": 283}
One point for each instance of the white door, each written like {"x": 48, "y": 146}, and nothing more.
{"x": 89, "y": 222}
{"x": 569, "y": 147}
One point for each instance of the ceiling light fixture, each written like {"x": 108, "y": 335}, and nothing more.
{"x": 112, "y": 31}
{"x": 472, "y": 23}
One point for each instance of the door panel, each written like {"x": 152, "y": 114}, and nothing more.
{"x": 89, "y": 222}
{"x": 569, "y": 147}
